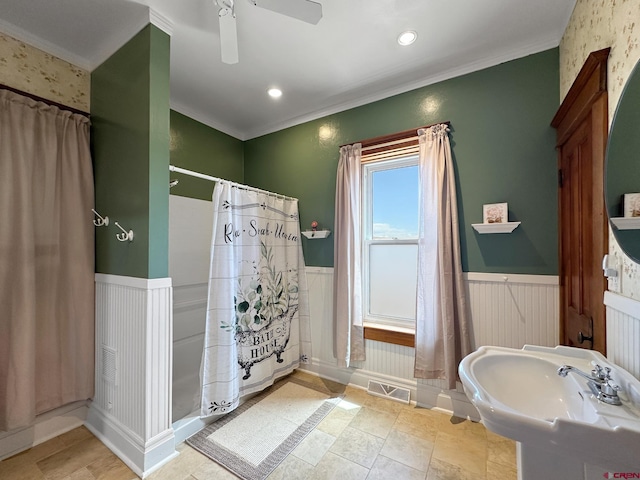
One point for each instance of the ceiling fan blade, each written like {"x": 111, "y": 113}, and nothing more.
{"x": 305, "y": 10}
{"x": 228, "y": 36}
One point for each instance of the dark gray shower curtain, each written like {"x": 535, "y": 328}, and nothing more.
{"x": 46, "y": 259}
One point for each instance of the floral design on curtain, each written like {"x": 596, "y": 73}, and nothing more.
{"x": 257, "y": 326}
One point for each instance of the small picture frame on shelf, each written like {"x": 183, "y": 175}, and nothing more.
{"x": 495, "y": 213}
{"x": 631, "y": 203}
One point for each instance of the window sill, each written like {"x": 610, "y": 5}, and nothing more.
{"x": 399, "y": 336}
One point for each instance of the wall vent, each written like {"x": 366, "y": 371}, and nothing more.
{"x": 109, "y": 367}
{"x": 392, "y": 392}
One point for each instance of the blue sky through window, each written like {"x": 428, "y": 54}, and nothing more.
{"x": 395, "y": 203}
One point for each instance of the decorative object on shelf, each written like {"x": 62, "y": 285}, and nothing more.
{"x": 100, "y": 221}
{"x": 495, "y": 219}
{"x": 495, "y": 213}
{"x": 315, "y": 233}
{"x": 631, "y": 202}
{"x": 504, "y": 227}
{"x": 124, "y": 236}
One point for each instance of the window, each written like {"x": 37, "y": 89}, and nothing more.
{"x": 390, "y": 241}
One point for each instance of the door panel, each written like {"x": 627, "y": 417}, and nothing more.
{"x": 581, "y": 124}
{"x": 575, "y": 221}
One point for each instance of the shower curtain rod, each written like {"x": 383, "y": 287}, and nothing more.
{"x": 45, "y": 100}
{"x": 191, "y": 173}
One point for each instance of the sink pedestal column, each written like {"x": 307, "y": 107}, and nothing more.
{"x": 535, "y": 464}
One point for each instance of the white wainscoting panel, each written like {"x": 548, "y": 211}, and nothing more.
{"x": 521, "y": 310}
{"x": 623, "y": 332}
{"x": 131, "y": 411}
{"x": 510, "y": 310}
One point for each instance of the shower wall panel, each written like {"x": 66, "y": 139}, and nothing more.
{"x": 190, "y": 225}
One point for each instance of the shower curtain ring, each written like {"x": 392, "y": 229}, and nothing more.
{"x": 100, "y": 221}
{"x": 123, "y": 237}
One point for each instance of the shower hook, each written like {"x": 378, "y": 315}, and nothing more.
{"x": 123, "y": 237}
{"x": 100, "y": 221}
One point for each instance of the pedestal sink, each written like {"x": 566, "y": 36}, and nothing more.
{"x": 563, "y": 431}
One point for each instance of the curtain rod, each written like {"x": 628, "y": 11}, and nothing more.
{"x": 191, "y": 173}
{"x": 412, "y": 132}
{"x": 45, "y": 100}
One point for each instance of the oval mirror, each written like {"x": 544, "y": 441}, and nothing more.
{"x": 622, "y": 183}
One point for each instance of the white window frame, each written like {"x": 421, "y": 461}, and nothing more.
{"x": 368, "y": 168}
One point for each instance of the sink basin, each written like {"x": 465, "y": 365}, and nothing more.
{"x": 519, "y": 395}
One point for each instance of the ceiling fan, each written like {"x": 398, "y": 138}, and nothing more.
{"x": 305, "y": 10}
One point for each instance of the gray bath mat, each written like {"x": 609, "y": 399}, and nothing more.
{"x": 255, "y": 438}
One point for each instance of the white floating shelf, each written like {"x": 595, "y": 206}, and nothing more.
{"x": 311, "y": 234}
{"x": 506, "y": 227}
{"x": 626, "y": 223}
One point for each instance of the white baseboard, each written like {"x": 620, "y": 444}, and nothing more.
{"x": 424, "y": 395}
{"x": 47, "y": 426}
{"x": 143, "y": 458}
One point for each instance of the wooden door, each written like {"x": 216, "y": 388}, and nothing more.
{"x": 581, "y": 124}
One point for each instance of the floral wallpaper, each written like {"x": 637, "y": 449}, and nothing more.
{"x": 33, "y": 71}
{"x": 594, "y": 25}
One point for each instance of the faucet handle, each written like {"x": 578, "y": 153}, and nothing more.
{"x": 600, "y": 373}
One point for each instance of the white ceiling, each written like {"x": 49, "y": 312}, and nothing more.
{"x": 349, "y": 58}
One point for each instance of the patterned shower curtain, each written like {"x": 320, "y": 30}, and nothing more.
{"x": 257, "y": 326}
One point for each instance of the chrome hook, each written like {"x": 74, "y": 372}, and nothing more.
{"x": 100, "y": 221}
{"x": 123, "y": 237}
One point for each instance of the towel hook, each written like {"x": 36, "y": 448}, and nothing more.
{"x": 123, "y": 237}
{"x": 100, "y": 221}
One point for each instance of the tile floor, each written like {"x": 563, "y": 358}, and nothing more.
{"x": 364, "y": 437}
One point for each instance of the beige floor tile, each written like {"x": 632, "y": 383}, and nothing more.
{"x": 337, "y": 420}
{"x": 439, "y": 470}
{"x": 76, "y": 435}
{"x": 356, "y": 396}
{"x": 73, "y": 458}
{"x": 383, "y": 404}
{"x": 357, "y": 446}
{"x": 111, "y": 468}
{"x": 464, "y": 450}
{"x": 312, "y": 448}
{"x": 421, "y": 424}
{"x": 319, "y": 381}
{"x": 210, "y": 470}
{"x": 501, "y": 450}
{"x": 375, "y": 422}
{"x": 335, "y": 467}
{"x": 460, "y": 426}
{"x": 20, "y": 470}
{"x": 182, "y": 466}
{"x": 385, "y": 468}
{"x": 412, "y": 451}
{"x": 82, "y": 474}
{"x": 38, "y": 452}
{"x": 292, "y": 468}
{"x": 503, "y": 472}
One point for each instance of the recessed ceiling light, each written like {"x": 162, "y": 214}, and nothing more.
{"x": 407, "y": 38}
{"x": 274, "y": 92}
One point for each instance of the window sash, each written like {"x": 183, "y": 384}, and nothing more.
{"x": 369, "y": 242}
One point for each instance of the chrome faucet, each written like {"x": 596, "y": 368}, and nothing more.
{"x": 599, "y": 382}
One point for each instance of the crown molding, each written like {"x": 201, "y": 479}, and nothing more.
{"x": 120, "y": 38}
{"x": 159, "y": 20}
{"x": 41, "y": 44}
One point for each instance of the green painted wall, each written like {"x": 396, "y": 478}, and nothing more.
{"x": 130, "y": 141}
{"x": 200, "y": 148}
{"x": 503, "y": 150}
